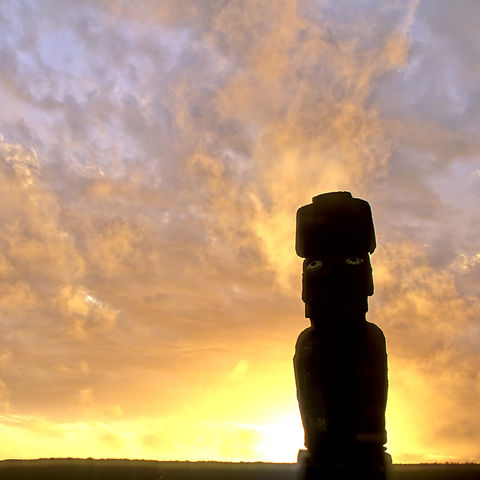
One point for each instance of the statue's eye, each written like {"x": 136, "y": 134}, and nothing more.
{"x": 354, "y": 260}
{"x": 314, "y": 265}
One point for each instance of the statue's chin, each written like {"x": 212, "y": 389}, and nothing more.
{"x": 336, "y": 309}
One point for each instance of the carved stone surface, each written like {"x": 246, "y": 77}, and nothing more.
{"x": 340, "y": 360}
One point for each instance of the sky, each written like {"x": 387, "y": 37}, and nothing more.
{"x": 152, "y": 159}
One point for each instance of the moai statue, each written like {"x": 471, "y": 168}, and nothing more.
{"x": 340, "y": 360}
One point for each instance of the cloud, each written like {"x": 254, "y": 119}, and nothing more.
{"x": 4, "y": 397}
{"x": 432, "y": 338}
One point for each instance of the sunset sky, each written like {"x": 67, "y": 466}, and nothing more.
{"x": 153, "y": 155}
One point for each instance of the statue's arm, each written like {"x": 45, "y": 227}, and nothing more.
{"x": 310, "y": 399}
{"x": 377, "y": 344}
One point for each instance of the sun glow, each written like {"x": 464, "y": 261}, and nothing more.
{"x": 281, "y": 440}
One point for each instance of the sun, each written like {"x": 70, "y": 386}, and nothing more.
{"x": 281, "y": 440}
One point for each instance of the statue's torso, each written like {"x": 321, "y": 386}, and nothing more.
{"x": 341, "y": 377}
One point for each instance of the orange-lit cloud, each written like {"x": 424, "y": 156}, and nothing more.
{"x": 152, "y": 160}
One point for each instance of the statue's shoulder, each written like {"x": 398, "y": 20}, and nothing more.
{"x": 305, "y": 334}
{"x": 306, "y": 339}
{"x": 374, "y": 331}
{"x": 375, "y": 337}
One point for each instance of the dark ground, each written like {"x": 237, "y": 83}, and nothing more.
{"x": 73, "y": 469}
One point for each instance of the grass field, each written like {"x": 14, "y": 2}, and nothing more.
{"x": 73, "y": 469}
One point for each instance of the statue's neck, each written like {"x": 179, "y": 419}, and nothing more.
{"x": 336, "y": 321}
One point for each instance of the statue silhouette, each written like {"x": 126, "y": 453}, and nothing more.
{"x": 340, "y": 360}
